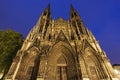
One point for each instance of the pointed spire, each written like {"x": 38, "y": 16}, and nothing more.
{"x": 76, "y": 21}
{"x": 48, "y": 6}
{"x": 44, "y": 20}
{"x": 71, "y": 7}
{"x": 73, "y": 12}
{"x": 45, "y": 12}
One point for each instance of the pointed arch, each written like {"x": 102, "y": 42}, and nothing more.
{"x": 95, "y": 69}
{"x": 29, "y": 64}
{"x": 63, "y": 51}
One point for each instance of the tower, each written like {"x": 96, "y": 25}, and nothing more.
{"x": 60, "y": 50}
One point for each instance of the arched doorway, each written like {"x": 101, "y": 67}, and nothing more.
{"x": 62, "y": 63}
{"x": 93, "y": 67}
{"x": 28, "y": 68}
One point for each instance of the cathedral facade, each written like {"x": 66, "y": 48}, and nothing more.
{"x": 60, "y": 50}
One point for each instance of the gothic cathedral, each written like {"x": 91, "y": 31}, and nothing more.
{"x": 60, "y": 50}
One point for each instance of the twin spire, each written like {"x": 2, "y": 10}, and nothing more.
{"x": 73, "y": 12}
{"x": 75, "y": 21}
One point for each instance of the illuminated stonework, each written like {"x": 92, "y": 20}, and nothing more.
{"x": 60, "y": 50}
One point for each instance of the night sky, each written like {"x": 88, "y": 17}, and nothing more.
{"x": 102, "y": 17}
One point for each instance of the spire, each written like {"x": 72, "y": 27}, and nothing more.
{"x": 44, "y": 13}
{"x": 44, "y": 21}
{"x": 76, "y": 21}
{"x": 73, "y": 13}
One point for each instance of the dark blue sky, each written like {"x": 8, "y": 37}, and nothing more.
{"x": 102, "y": 17}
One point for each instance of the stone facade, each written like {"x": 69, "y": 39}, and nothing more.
{"x": 60, "y": 50}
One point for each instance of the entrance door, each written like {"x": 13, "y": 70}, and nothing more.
{"x": 61, "y": 73}
{"x": 61, "y": 69}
